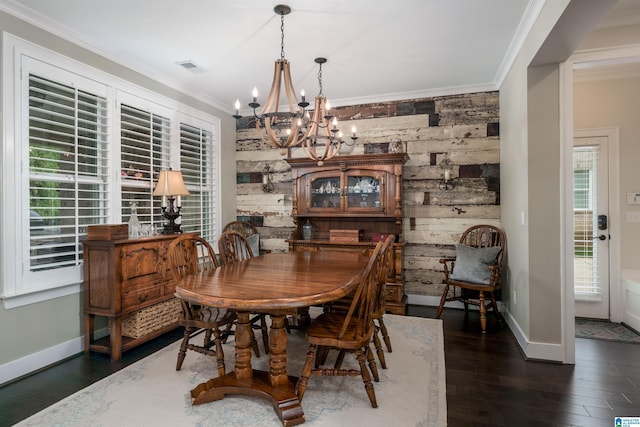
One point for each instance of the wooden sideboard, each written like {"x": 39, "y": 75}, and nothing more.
{"x": 124, "y": 280}
{"x": 361, "y": 194}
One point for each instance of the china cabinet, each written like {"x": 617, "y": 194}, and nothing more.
{"x": 348, "y": 204}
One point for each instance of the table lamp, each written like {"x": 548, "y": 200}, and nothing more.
{"x": 171, "y": 187}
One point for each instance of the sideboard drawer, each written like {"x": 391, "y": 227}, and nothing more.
{"x": 141, "y": 295}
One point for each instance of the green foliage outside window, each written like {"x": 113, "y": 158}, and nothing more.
{"x": 44, "y": 195}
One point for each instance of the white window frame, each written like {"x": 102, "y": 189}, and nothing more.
{"x": 15, "y": 291}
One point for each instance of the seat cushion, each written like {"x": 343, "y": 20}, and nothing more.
{"x": 471, "y": 263}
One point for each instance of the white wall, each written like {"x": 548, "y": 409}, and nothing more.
{"x": 515, "y": 164}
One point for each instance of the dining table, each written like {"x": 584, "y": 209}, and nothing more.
{"x": 277, "y": 284}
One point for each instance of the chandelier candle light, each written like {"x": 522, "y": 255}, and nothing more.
{"x": 171, "y": 187}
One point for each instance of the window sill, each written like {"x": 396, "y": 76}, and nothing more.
{"x": 15, "y": 301}
{"x": 588, "y": 297}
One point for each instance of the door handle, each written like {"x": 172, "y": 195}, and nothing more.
{"x": 600, "y": 237}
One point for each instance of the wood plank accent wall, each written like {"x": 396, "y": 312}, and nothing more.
{"x": 463, "y": 127}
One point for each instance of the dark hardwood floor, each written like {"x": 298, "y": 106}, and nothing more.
{"x": 488, "y": 381}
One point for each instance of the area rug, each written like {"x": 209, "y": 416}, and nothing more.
{"x": 411, "y": 391}
{"x": 605, "y": 330}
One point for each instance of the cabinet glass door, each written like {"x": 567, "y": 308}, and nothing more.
{"x": 325, "y": 192}
{"x": 363, "y": 192}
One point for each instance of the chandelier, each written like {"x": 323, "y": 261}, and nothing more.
{"x": 321, "y": 138}
{"x": 279, "y": 129}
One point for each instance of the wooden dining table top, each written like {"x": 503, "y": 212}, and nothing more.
{"x": 276, "y": 281}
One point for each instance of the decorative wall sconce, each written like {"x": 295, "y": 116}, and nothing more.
{"x": 448, "y": 182}
{"x": 171, "y": 187}
{"x": 267, "y": 182}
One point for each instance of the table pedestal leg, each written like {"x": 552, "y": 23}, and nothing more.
{"x": 275, "y": 385}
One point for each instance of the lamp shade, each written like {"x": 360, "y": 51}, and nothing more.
{"x": 170, "y": 183}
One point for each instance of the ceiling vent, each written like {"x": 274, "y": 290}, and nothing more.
{"x": 190, "y": 66}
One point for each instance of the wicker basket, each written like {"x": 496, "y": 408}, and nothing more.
{"x": 151, "y": 318}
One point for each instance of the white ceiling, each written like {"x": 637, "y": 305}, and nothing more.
{"x": 377, "y": 50}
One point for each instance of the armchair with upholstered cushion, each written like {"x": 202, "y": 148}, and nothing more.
{"x": 474, "y": 275}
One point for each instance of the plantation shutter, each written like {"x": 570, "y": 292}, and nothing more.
{"x": 68, "y": 171}
{"x": 197, "y": 157}
{"x": 144, "y": 151}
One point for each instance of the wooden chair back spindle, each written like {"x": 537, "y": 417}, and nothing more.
{"x": 234, "y": 247}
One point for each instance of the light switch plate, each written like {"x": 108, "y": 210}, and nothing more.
{"x": 633, "y": 198}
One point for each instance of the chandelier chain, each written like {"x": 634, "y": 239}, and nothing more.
{"x": 320, "y": 79}
{"x": 282, "y": 36}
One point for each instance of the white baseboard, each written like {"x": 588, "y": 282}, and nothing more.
{"x": 36, "y": 361}
{"x": 531, "y": 350}
{"x": 33, "y": 362}
{"x": 534, "y": 350}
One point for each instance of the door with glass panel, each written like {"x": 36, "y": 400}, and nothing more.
{"x": 591, "y": 227}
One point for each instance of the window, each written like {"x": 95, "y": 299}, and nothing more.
{"x": 145, "y": 139}
{"x": 81, "y": 147}
{"x": 582, "y": 189}
{"x": 67, "y": 130}
{"x": 584, "y": 167}
{"x": 197, "y": 160}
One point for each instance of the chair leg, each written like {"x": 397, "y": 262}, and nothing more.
{"x": 207, "y": 339}
{"x": 372, "y": 363}
{"x": 339, "y": 360}
{"x": 385, "y": 334}
{"x": 442, "y": 301}
{"x": 182, "y": 353}
{"x": 254, "y": 343}
{"x": 496, "y": 312}
{"x": 366, "y": 378}
{"x": 217, "y": 340}
{"x": 265, "y": 332}
{"x": 483, "y": 313}
{"x": 378, "y": 345}
{"x": 306, "y": 371}
{"x": 321, "y": 358}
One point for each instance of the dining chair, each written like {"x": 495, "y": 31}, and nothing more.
{"x": 249, "y": 231}
{"x": 343, "y": 304}
{"x": 347, "y": 332}
{"x": 386, "y": 256}
{"x": 475, "y": 270}
{"x": 191, "y": 254}
{"x": 234, "y": 247}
